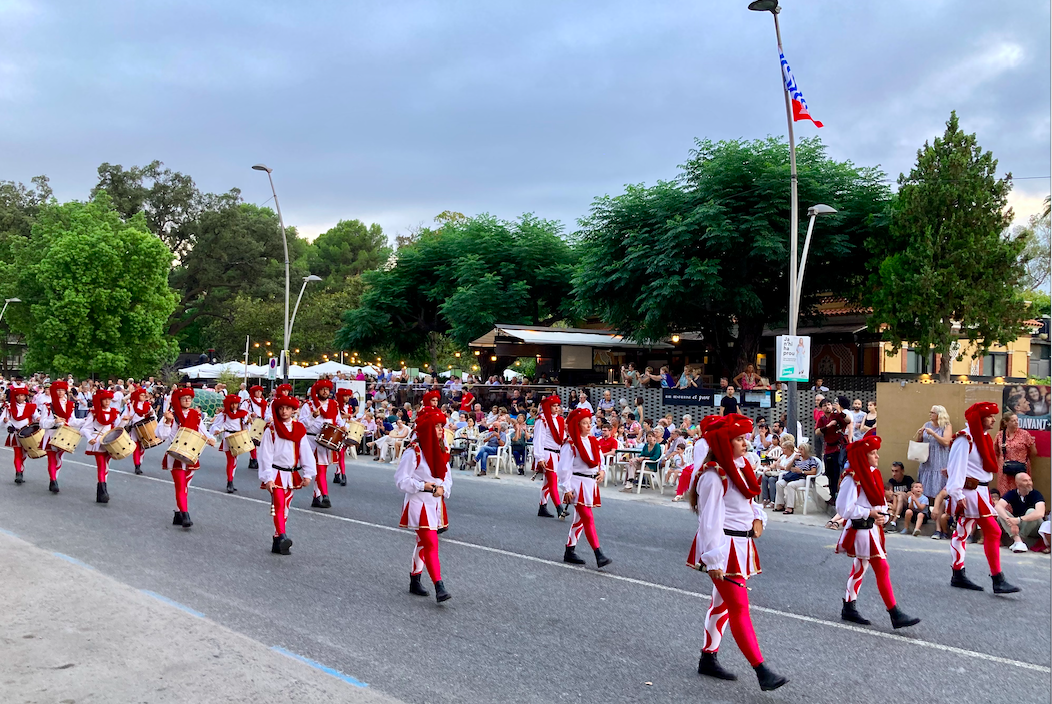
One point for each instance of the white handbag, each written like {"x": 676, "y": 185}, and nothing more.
{"x": 918, "y": 451}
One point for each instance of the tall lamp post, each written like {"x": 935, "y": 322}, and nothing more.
{"x": 284, "y": 240}
{"x": 7, "y": 302}
{"x": 306, "y": 280}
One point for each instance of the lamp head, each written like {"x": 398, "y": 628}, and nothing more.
{"x": 261, "y": 167}
{"x": 820, "y": 209}
{"x": 12, "y": 300}
{"x": 312, "y": 277}
{"x": 765, "y": 6}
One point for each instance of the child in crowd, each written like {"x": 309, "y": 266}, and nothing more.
{"x": 916, "y": 506}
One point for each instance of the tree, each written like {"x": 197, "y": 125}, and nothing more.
{"x": 347, "y": 250}
{"x": 1035, "y": 256}
{"x": 460, "y": 279}
{"x": 709, "y": 251}
{"x": 944, "y": 263}
{"x": 95, "y": 292}
{"x": 1040, "y": 303}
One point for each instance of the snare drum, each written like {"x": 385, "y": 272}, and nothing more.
{"x": 355, "y": 432}
{"x": 187, "y": 445}
{"x": 118, "y": 444}
{"x": 240, "y": 442}
{"x": 146, "y": 433}
{"x": 330, "y": 437}
{"x": 30, "y": 438}
{"x": 256, "y": 431}
{"x": 64, "y": 438}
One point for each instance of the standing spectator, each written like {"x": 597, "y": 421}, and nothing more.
{"x": 832, "y": 424}
{"x": 748, "y": 379}
{"x": 916, "y": 505}
{"x": 667, "y": 380}
{"x": 648, "y": 378}
{"x": 857, "y": 416}
{"x": 816, "y": 415}
{"x": 1021, "y": 511}
{"x": 1012, "y": 444}
{"x": 684, "y": 379}
{"x": 519, "y": 438}
{"x": 895, "y": 489}
{"x": 938, "y": 433}
{"x": 804, "y": 466}
{"x": 639, "y": 409}
{"x": 869, "y": 422}
{"x": 629, "y": 375}
{"x": 729, "y": 403}
{"x": 820, "y": 386}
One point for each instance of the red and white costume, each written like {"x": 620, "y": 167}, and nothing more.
{"x": 57, "y": 413}
{"x": 282, "y": 390}
{"x": 191, "y": 419}
{"x": 256, "y": 405}
{"x": 285, "y": 458}
{"x": 18, "y": 416}
{"x": 138, "y": 410}
{"x": 578, "y": 472}
{"x": 232, "y": 419}
{"x": 701, "y": 451}
{"x": 549, "y": 435}
{"x": 98, "y": 423}
{"x": 328, "y": 411}
{"x": 343, "y": 402}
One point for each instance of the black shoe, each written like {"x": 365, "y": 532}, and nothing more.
{"x": 230, "y": 488}
{"x": 253, "y": 464}
{"x": 282, "y": 545}
{"x": 186, "y": 519}
{"x": 601, "y": 559}
{"x": 849, "y": 612}
{"x": 440, "y": 592}
{"x": 1001, "y": 586}
{"x": 18, "y": 478}
{"x": 769, "y": 680}
{"x": 53, "y": 486}
{"x": 101, "y": 495}
{"x": 415, "y": 587}
{"x": 177, "y": 519}
{"x": 343, "y": 479}
{"x": 325, "y": 503}
{"x": 543, "y": 511}
{"x": 316, "y": 503}
{"x": 709, "y": 667}
{"x": 522, "y": 472}
{"x": 961, "y": 581}
{"x": 138, "y": 469}
{"x": 569, "y": 555}
{"x": 901, "y": 620}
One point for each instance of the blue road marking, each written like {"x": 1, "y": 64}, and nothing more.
{"x": 74, "y": 560}
{"x": 318, "y": 666}
{"x": 176, "y": 604}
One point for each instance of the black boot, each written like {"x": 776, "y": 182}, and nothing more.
{"x": 415, "y": 587}
{"x": 282, "y": 545}
{"x": 316, "y": 503}
{"x": 900, "y": 619}
{"x": 177, "y": 519}
{"x": 138, "y": 469}
{"x": 440, "y": 592}
{"x": 849, "y": 612}
{"x": 18, "y": 478}
{"x": 569, "y": 555}
{"x": 543, "y": 511}
{"x": 769, "y": 679}
{"x": 343, "y": 479}
{"x": 53, "y": 486}
{"x": 961, "y": 581}
{"x": 1001, "y": 586}
{"x": 101, "y": 495}
{"x": 230, "y": 488}
{"x": 253, "y": 464}
{"x": 709, "y": 667}
{"x": 601, "y": 560}
{"x": 186, "y": 519}
{"x": 325, "y": 503}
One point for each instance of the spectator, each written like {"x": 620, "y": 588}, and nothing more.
{"x": 684, "y": 379}
{"x": 869, "y": 423}
{"x": 678, "y": 442}
{"x": 675, "y": 459}
{"x": 492, "y": 416}
{"x": 629, "y": 375}
{"x": 769, "y": 493}
{"x": 748, "y": 379}
{"x": 816, "y": 414}
{"x": 667, "y": 380}
{"x": 1021, "y": 511}
{"x": 778, "y": 429}
{"x": 639, "y": 408}
{"x": 649, "y": 379}
{"x": 832, "y": 425}
{"x": 761, "y": 437}
{"x": 606, "y": 403}
{"x": 895, "y": 489}
{"x": 608, "y": 442}
{"x": 1012, "y": 444}
{"x": 392, "y": 442}
{"x": 857, "y": 416}
{"x": 820, "y": 386}
{"x": 916, "y": 506}
{"x": 649, "y": 451}
{"x": 938, "y": 433}
{"x": 495, "y": 439}
{"x": 805, "y": 465}
{"x": 582, "y": 401}
{"x": 729, "y": 403}
{"x": 519, "y": 437}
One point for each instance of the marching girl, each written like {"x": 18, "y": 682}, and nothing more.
{"x": 256, "y": 405}
{"x": 17, "y": 415}
{"x": 61, "y": 411}
{"x": 139, "y": 409}
{"x": 182, "y": 415}
{"x": 286, "y": 463}
{"x": 282, "y": 391}
{"x": 232, "y": 419}
{"x": 861, "y": 502}
{"x": 343, "y": 402}
{"x": 423, "y": 474}
{"x": 728, "y": 521}
{"x": 314, "y": 414}
{"x": 549, "y": 434}
{"x": 579, "y": 474}
{"x": 101, "y": 420}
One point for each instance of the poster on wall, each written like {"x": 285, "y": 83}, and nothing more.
{"x": 793, "y": 357}
{"x": 1030, "y": 403}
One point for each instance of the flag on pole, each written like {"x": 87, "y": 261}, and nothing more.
{"x": 799, "y": 104}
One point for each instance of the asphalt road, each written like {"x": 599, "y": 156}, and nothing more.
{"x": 522, "y": 626}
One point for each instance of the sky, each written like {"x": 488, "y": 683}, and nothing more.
{"x": 392, "y": 112}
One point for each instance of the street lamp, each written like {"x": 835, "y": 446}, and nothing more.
{"x": 285, "y": 242}
{"x": 8, "y": 301}
{"x": 813, "y": 212}
{"x": 288, "y": 331}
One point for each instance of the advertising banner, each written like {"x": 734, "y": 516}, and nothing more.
{"x": 1030, "y": 403}
{"x": 793, "y": 358}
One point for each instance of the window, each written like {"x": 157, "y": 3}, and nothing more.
{"x": 995, "y": 364}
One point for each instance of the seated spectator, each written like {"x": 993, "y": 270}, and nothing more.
{"x": 393, "y": 442}
{"x": 519, "y": 437}
{"x": 761, "y": 437}
{"x": 916, "y": 506}
{"x": 940, "y": 516}
{"x": 664, "y": 427}
{"x": 1021, "y": 511}
{"x": 462, "y": 420}
{"x": 634, "y": 433}
{"x": 895, "y": 489}
{"x": 495, "y": 439}
{"x": 608, "y": 442}
{"x": 606, "y": 403}
{"x": 1045, "y": 532}
{"x": 582, "y": 401}
{"x": 803, "y": 466}
{"x": 651, "y": 450}
{"x": 769, "y": 493}
{"x": 678, "y": 442}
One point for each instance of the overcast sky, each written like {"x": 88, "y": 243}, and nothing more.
{"x": 392, "y": 112}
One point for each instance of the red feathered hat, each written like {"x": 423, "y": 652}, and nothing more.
{"x": 974, "y": 416}
{"x": 719, "y": 435}
{"x": 98, "y": 397}
{"x": 231, "y": 403}
{"x": 16, "y": 391}
{"x": 432, "y": 395}
{"x": 318, "y": 386}
{"x": 283, "y": 390}
{"x": 254, "y": 389}
{"x": 866, "y": 476}
{"x": 134, "y": 394}
{"x": 177, "y": 394}
{"x": 434, "y": 450}
{"x": 288, "y": 401}
{"x": 550, "y": 401}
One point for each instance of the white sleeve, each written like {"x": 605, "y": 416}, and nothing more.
{"x": 404, "y": 478}
{"x": 758, "y": 513}
{"x": 701, "y": 450}
{"x": 164, "y": 430}
{"x": 956, "y": 468}
{"x": 447, "y": 483}
{"x": 564, "y": 468}
{"x": 847, "y": 500}
{"x": 47, "y": 421}
{"x": 713, "y": 545}
{"x": 308, "y": 467}
{"x": 217, "y": 423}
{"x": 267, "y": 473}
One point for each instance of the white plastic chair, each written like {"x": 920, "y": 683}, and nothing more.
{"x": 503, "y": 457}
{"x": 654, "y": 473}
{"x": 810, "y": 490}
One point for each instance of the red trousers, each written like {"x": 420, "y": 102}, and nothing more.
{"x": 137, "y": 454}
{"x": 20, "y": 458}
{"x": 321, "y": 486}
{"x": 583, "y": 521}
{"x": 280, "y": 503}
{"x": 730, "y": 603}
{"x": 991, "y": 541}
{"x": 102, "y": 465}
{"x": 426, "y": 554}
{"x": 550, "y": 487}
{"x": 231, "y": 465}
{"x": 54, "y": 463}
{"x": 880, "y": 571}
{"x": 341, "y": 460}
{"x": 181, "y": 477}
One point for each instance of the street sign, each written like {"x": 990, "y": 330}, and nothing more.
{"x": 793, "y": 358}
{"x": 272, "y": 371}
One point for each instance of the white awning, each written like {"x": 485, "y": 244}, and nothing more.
{"x": 603, "y": 339}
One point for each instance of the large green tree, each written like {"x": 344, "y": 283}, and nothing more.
{"x": 709, "y": 251}
{"x": 95, "y": 292}
{"x": 348, "y": 249}
{"x": 458, "y": 280}
{"x": 946, "y": 269}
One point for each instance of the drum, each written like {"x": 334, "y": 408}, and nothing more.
{"x": 355, "y": 432}
{"x": 146, "y": 432}
{"x": 240, "y": 442}
{"x": 187, "y": 446}
{"x": 30, "y": 438}
{"x": 118, "y": 444}
{"x": 64, "y": 438}
{"x": 256, "y": 431}
{"x": 330, "y": 437}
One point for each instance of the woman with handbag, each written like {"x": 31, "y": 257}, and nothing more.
{"x": 1013, "y": 449}
{"x": 937, "y": 434}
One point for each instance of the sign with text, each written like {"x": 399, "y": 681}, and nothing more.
{"x": 688, "y": 397}
{"x": 1030, "y": 403}
{"x": 793, "y": 357}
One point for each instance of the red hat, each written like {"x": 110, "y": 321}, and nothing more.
{"x": 289, "y": 401}
{"x": 866, "y": 476}
{"x": 283, "y": 389}
{"x": 705, "y": 423}
{"x": 254, "y": 389}
{"x": 974, "y": 417}
{"x": 432, "y": 394}
{"x": 592, "y": 456}
{"x": 433, "y": 449}
{"x": 318, "y": 386}
{"x": 134, "y": 394}
{"x": 231, "y": 403}
{"x": 17, "y": 390}
{"x": 344, "y": 392}
{"x": 550, "y": 401}
{"x": 719, "y": 435}
{"x": 177, "y": 394}
{"x": 98, "y": 397}
{"x": 56, "y": 385}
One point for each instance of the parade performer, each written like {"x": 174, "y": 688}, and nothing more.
{"x": 283, "y": 390}
{"x": 314, "y": 414}
{"x": 423, "y": 474}
{"x": 57, "y": 413}
{"x": 256, "y": 405}
{"x": 139, "y": 409}
{"x": 701, "y": 450}
{"x": 549, "y": 434}
{"x": 182, "y": 415}
{"x": 101, "y": 420}
{"x": 728, "y": 522}
{"x": 861, "y": 503}
{"x": 579, "y": 473}
{"x": 232, "y": 419}
{"x": 970, "y": 469}
{"x": 343, "y": 402}
{"x": 286, "y": 463}
{"x": 17, "y": 415}
{"x": 431, "y": 399}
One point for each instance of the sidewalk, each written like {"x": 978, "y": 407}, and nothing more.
{"x": 72, "y": 634}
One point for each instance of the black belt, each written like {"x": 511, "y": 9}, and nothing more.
{"x": 589, "y": 476}
{"x": 739, "y": 533}
{"x": 546, "y": 449}
{"x": 863, "y": 523}
{"x": 313, "y": 435}
{"x": 285, "y": 469}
